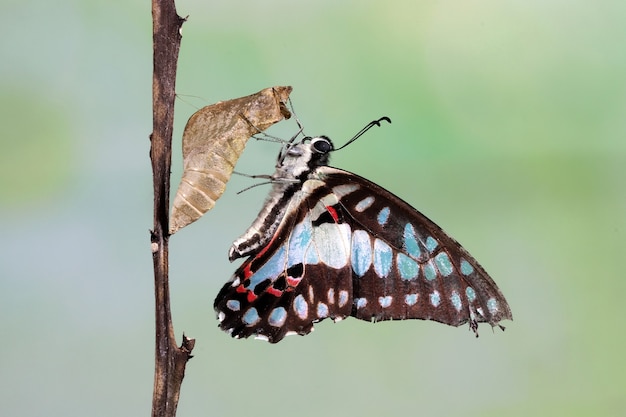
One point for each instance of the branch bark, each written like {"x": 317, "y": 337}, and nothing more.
{"x": 170, "y": 360}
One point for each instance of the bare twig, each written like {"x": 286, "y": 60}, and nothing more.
{"x": 170, "y": 360}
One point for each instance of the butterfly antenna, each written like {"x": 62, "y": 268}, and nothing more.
{"x": 365, "y": 129}
{"x": 253, "y": 186}
{"x": 264, "y": 176}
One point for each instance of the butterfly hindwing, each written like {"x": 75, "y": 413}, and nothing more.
{"x": 302, "y": 276}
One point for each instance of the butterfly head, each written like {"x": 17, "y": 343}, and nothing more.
{"x": 298, "y": 159}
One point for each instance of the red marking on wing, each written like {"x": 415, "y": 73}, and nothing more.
{"x": 247, "y": 272}
{"x": 274, "y": 292}
{"x": 333, "y": 213}
{"x": 247, "y": 267}
{"x": 292, "y": 282}
{"x": 251, "y": 296}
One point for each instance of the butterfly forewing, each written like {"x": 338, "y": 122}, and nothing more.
{"x": 405, "y": 266}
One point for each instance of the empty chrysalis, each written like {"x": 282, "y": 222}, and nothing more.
{"x": 213, "y": 140}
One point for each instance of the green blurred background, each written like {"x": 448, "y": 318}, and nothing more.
{"x": 509, "y": 130}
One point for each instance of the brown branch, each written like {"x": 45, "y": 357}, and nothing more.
{"x": 170, "y": 360}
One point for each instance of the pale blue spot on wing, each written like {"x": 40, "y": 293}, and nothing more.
{"x": 429, "y": 270}
{"x": 443, "y": 264}
{"x": 360, "y": 302}
{"x": 361, "y": 252}
{"x": 471, "y": 294}
{"x": 299, "y": 242}
{"x": 383, "y": 257}
{"x": 466, "y": 267}
{"x": 435, "y": 298}
{"x": 311, "y": 257}
{"x": 364, "y": 204}
{"x": 385, "y": 301}
{"x": 410, "y": 299}
{"x": 277, "y": 317}
{"x": 407, "y": 267}
{"x": 322, "y": 310}
{"x": 233, "y": 305}
{"x": 410, "y": 241}
{"x": 251, "y": 317}
{"x": 431, "y": 244}
{"x": 456, "y": 300}
{"x": 343, "y": 298}
{"x": 383, "y": 216}
{"x": 492, "y": 305}
{"x": 301, "y": 307}
{"x": 272, "y": 269}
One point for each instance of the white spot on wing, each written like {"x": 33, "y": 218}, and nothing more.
{"x": 319, "y": 209}
{"x": 331, "y": 296}
{"x": 345, "y": 189}
{"x": 364, "y": 204}
{"x": 332, "y": 242}
{"x": 385, "y": 301}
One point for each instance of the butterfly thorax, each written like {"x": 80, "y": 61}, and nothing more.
{"x": 296, "y": 164}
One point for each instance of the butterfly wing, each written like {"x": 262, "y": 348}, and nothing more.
{"x": 346, "y": 246}
{"x": 406, "y": 267}
{"x": 300, "y": 277}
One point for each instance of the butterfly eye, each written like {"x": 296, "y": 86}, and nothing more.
{"x": 322, "y": 145}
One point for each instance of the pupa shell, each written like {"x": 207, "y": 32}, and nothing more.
{"x": 213, "y": 139}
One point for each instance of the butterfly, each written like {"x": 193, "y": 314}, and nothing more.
{"x": 331, "y": 244}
